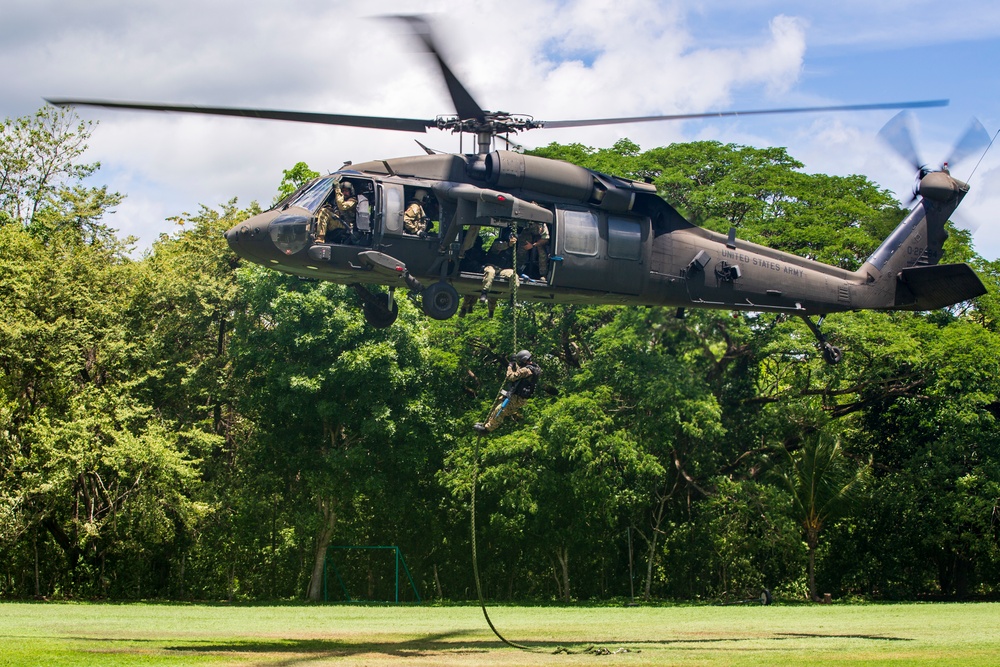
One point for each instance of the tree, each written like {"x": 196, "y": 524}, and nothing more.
{"x": 823, "y": 484}
{"x": 294, "y": 178}
{"x": 38, "y": 154}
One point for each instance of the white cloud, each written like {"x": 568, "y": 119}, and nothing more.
{"x": 554, "y": 59}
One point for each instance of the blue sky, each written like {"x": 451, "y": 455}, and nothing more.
{"x": 554, "y": 60}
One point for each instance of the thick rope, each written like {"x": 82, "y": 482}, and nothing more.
{"x": 513, "y": 295}
{"x": 475, "y": 560}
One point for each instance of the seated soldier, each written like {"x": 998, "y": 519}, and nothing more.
{"x": 347, "y": 209}
{"x": 337, "y": 222}
{"x": 498, "y": 262}
{"x": 415, "y": 220}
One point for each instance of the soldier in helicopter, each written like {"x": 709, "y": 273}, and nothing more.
{"x": 415, "y": 218}
{"x": 337, "y": 218}
{"x": 533, "y": 251}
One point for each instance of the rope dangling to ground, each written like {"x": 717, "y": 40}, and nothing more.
{"x": 475, "y": 560}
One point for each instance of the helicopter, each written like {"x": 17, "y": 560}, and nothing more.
{"x": 611, "y": 240}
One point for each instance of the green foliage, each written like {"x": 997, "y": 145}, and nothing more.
{"x": 185, "y": 426}
{"x": 292, "y": 179}
{"x": 38, "y": 155}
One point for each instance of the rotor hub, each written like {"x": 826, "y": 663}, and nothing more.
{"x": 493, "y": 123}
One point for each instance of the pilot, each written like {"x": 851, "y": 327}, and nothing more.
{"x": 347, "y": 205}
{"x": 535, "y": 238}
{"x": 522, "y": 376}
{"x": 498, "y": 262}
{"x": 415, "y": 220}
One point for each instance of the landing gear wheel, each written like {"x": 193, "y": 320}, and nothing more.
{"x": 378, "y": 316}
{"x": 832, "y": 354}
{"x": 440, "y": 300}
{"x": 765, "y": 597}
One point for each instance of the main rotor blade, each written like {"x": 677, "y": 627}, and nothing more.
{"x": 756, "y": 112}
{"x": 898, "y": 134}
{"x": 375, "y": 122}
{"x": 465, "y": 105}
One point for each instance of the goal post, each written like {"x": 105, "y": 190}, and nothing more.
{"x": 398, "y": 561}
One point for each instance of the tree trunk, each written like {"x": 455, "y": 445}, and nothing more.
{"x": 811, "y": 541}
{"x": 38, "y": 586}
{"x": 649, "y": 565}
{"x": 562, "y": 555}
{"x": 437, "y": 583}
{"x": 322, "y": 542}
{"x": 661, "y": 512}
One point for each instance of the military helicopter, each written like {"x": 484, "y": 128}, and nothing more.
{"x": 612, "y": 240}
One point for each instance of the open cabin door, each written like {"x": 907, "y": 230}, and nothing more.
{"x": 600, "y": 252}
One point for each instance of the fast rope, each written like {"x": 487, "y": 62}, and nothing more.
{"x": 475, "y": 464}
{"x": 514, "y": 280}
{"x": 475, "y": 560}
{"x": 479, "y": 588}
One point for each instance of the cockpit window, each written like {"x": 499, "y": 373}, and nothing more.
{"x": 313, "y": 196}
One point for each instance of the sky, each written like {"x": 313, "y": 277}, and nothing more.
{"x": 552, "y": 59}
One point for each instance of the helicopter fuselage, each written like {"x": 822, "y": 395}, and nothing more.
{"x": 611, "y": 241}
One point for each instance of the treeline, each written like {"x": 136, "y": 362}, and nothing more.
{"x": 185, "y": 425}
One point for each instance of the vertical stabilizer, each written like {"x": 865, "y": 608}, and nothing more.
{"x": 904, "y": 272}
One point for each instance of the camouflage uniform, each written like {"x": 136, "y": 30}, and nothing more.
{"x": 499, "y": 411}
{"x": 490, "y": 272}
{"x": 414, "y": 218}
{"x": 538, "y": 237}
{"x": 498, "y": 255}
{"x": 348, "y": 208}
{"x": 326, "y": 219}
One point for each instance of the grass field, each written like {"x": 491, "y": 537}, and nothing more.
{"x": 154, "y": 634}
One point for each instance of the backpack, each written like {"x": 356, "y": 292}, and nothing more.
{"x": 525, "y": 388}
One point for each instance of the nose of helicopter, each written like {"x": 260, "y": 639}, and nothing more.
{"x": 250, "y": 239}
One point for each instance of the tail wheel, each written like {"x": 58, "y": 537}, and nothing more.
{"x": 832, "y": 354}
{"x": 440, "y": 300}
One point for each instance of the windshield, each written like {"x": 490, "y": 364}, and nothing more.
{"x": 313, "y": 196}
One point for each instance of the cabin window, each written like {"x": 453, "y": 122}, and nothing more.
{"x": 624, "y": 238}
{"x": 393, "y": 213}
{"x": 580, "y": 232}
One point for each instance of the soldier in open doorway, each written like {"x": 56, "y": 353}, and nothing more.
{"x": 533, "y": 249}
{"x": 498, "y": 262}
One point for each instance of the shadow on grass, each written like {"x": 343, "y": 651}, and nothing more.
{"x": 459, "y": 643}
{"x": 311, "y": 649}
{"x": 884, "y": 638}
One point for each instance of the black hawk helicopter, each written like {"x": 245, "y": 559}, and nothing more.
{"x": 612, "y": 240}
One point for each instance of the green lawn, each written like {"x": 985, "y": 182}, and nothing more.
{"x": 152, "y": 634}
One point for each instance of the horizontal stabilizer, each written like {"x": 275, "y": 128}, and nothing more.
{"x": 930, "y": 287}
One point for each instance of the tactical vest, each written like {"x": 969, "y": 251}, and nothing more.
{"x": 525, "y": 387}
